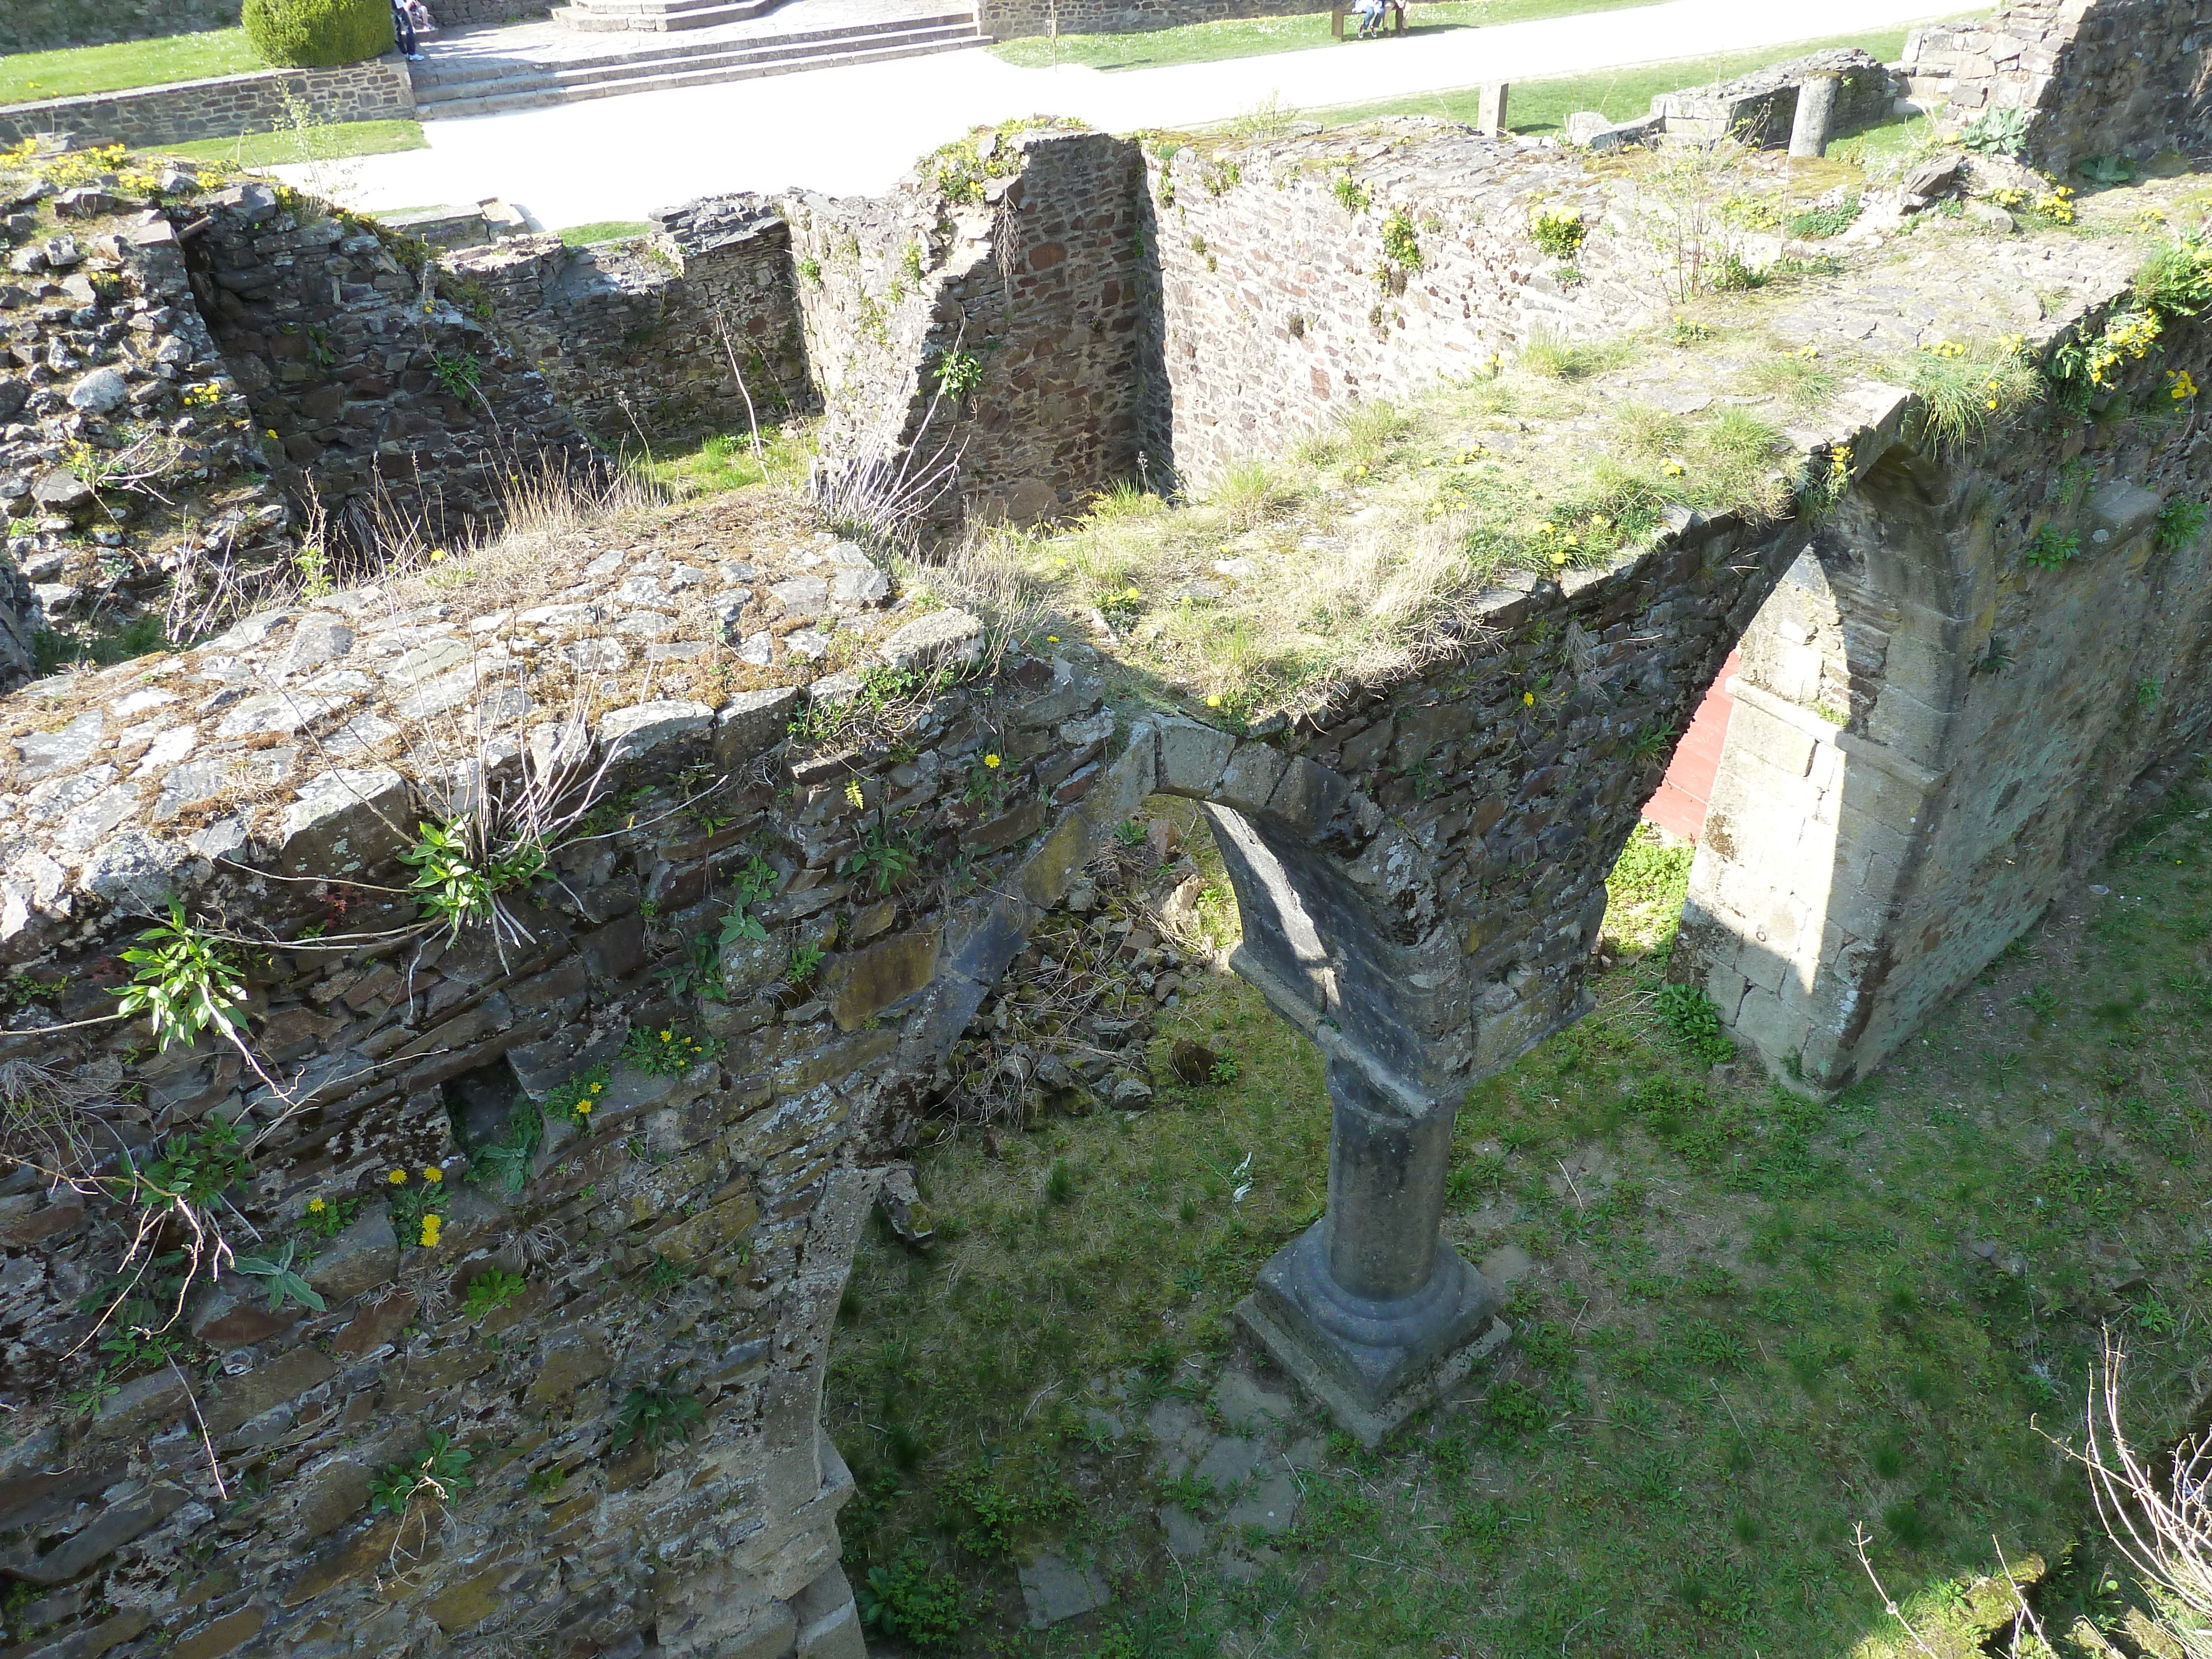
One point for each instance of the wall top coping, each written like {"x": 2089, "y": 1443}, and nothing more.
{"x": 389, "y": 64}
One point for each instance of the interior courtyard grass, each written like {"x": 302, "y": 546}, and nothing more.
{"x": 289, "y": 146}
{"x": 31, "y": 76}
{"x": 1253, "y": 37}
{"x": 1540, "y": 109}
{"x": 1754, "y": 1323}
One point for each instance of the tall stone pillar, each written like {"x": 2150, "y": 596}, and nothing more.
{"x": 1816, "y": 114}
{"x": 1368, "y": 1309}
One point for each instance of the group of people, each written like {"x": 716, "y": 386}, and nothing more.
{"x": 1372, "y": 13}
{"x": 409, "y": 19}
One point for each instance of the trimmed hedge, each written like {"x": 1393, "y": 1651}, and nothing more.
{"x": 318, "y": 34}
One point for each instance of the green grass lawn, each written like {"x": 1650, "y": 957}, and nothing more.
{"x": 30, "y": 76}
{"x": 606, "y": 230}
{"x": 1205, "y": 43}
{"x": 1755, "y": 1324}
{"x": 286, "y": 146}
{"x": 1539, "y": 108}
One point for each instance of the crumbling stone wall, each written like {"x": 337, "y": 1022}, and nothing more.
{"x": 381, "y": 398}
{"x": 629, "y": 336}
{"x": 1282, "y": 299}
{"x": 1758, "y": 109}
{"x": 1944, "y": 732}
{"x": 377, "y": 89}
{"x": 128, "y": 465}
{"x": 53, "y": 25}
{"x": 2107, "y": 77}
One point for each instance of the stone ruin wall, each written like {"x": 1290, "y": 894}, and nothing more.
{"x": 629, "y": 336}
{"x": 375, "y": 89}
{"x": 1934, "y": 737}
{"x": 1281, "y": 307}
{"x": 378, "y": 396}
{"x": 2115, "y": 77}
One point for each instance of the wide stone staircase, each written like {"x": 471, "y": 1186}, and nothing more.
{"x": 652, "y": 45}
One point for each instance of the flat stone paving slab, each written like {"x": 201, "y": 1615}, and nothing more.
{"x": 1054, "y": 1588}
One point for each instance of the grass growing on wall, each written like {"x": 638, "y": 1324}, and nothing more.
{"x": 288, "y": 146}
{"x": 606, "y": 230}
{"x": 31, "y": 76}
{"x": 1756, "y": 1322}
{"x": 1540, "y": 107}
{"x": 1253, "y": 37}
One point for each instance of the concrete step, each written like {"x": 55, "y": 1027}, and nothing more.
{"x": 503, "y": 98}
{"x": 439, "y": 79}
{"x": 598, "y": 19}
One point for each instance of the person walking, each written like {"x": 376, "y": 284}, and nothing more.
{"x": 403, "y": 32}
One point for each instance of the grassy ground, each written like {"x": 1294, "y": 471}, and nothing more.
{"x": 1539, "y": 108}
{"x": 1253, "y": 37}
{"x": 727, "y": 461}
{"x": 606, "y": 230}
{"x": 286, "y": 146}
{"x": 1754, "y": 1323}
{"x": 29, "y": 76}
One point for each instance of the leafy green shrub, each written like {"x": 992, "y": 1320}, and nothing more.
{"x": 1558, "y": 232}
{"x": 284, "y": 1283}
{"x": 1401, "y": 246}
{"x": 2180, "y": 523}
{"x": 318, "y": 34}
{"x": 958, "y": 373}
{"x": 2177, "y": 280}
{"x": 666, "y": 1051}
{"x": 441, "y": 1472}
{"x": 911, "y": 1602}
{"x": 1351, "y": 194}
{"x": 489, "y": 1292}
{"x": 1694, "y": 1022}
{"x": 457, "y": 878}
{"x": 1816, "y": 223}
{"x": 656, "y": 1417}
{"x": 1996, "y": 132}
{"x": 195, "y": 1168}
{"x": 2051, "y": 548}
{"x": 185, "y": 981}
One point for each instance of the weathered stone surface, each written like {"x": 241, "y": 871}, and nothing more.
{"x": 950, "y": 636}
{"x": 345, "y": 822}
{"x": 1054, "y": 1588}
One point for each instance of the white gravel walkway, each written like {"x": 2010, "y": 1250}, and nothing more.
{"x": 855, "y": 130}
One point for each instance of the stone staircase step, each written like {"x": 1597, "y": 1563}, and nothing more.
{"x": 507, "y": 95}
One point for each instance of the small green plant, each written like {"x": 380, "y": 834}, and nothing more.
{"x": 1130, "y": 832}
{"x": 2051, "y": 548}
{"x": 657, "y": 1418}
{"x": 887, "y": 855}
{"x": 2147, "y": 692}
{"x": 1816, "y": 224}
{"x": 437, "y": 1476}
{"x": 958, "y": 373}
{"x": 666, "y": 1051}
{"x": 183, "y": 980}
{"x": 509, "y": 1154}
{"x": 910, "y": 1602}
{"x": 548, "y": 1481}
{"x": 1687, "y": 331}
{"x": 1558, "y": 232}
{"x": 417, "y": 1208}
{"x": 2181, "y": 522}
{"x": 457, "y": 372}
{"x": 1225, "y": 1071}
{"x": 1401, "y": 244}
{"x": 1350, "y": 193}
{"x": 1694, "y": 1022}
{"x": 1964, "y": 391}
{"x": 1515, "y": 1409}
{"x": 753, "y": 883}
{"x": 458, "y": 878}
{"x": 324, "y": 1220}
{"x": 1996, "y": 132}
{"x": 192, "y": 1169}
{"x": 489, "y": 1292}
{"x": 284, "y": 1284}
{"x": 803, "y": 962}
{"x": 578, "y": 1097}
{"x": 810, "y": 271}
{"x": 664, "y": 1275}
{"x": 2107, "y": 170}
{"x": 697, "y": 971}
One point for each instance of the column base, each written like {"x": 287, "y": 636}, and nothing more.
{"x": 1373, "y": 1363}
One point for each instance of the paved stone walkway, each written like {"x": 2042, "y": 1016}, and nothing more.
{"x": 854, "y": 130}
{"x": 544, "y": 41}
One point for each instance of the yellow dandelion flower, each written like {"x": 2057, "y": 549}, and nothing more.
{"x": 991, "y": 760}
{"x": 1213, "y": 700}
{"x": 397, "y": 1177}
{"x": 583, "y": 1108}
{"x": 429, "y": 1232}
{"x": 664, "y": 1035}
{"x": 597, "y": 1087}
{"x": 1527, "y": 699}
{"x": 432, "y": 1174}
{"x": 1052, "y": 639}
{"x": 316, "y": 1206}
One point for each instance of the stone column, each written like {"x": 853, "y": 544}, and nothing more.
{"x": 1491, "y": 117}
{"x": 1368, "y": 1309}
{"x": 1816, "y": 113}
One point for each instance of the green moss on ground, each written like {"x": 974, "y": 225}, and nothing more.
{"x": 1757, "y": 1322}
